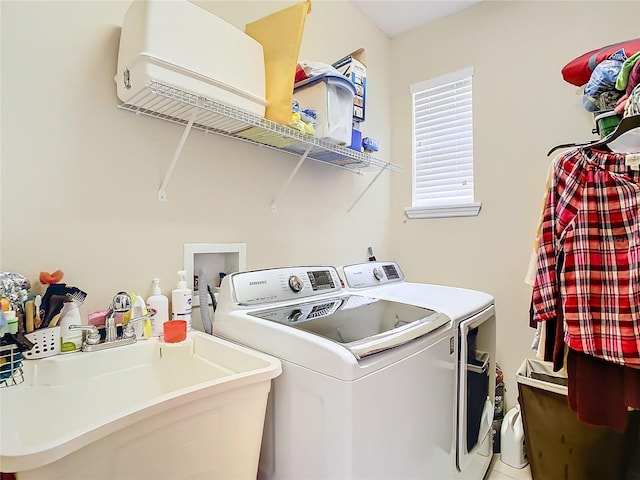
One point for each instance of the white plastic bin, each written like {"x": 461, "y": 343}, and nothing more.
{"x": 151, "y": 410}
{"x": 180, "y": 44}
{"x": 332, "y": 99}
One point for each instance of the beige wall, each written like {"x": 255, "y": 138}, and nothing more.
{"x": 80, "y": 177}
{"x": 522, "y": 108}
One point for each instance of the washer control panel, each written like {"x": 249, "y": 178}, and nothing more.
{"x": 287, "y": 283}
{"x": 371, "y": 274}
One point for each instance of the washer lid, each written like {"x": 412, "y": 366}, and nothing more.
{"x": 361, "y": 324}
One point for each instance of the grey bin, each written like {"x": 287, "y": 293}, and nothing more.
{"x": 560, "y": 446}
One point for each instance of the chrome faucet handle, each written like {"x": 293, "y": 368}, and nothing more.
{"x": 93, "y": 335}
{"x": 128, "y": 330}
{"x": 110, "y": 328}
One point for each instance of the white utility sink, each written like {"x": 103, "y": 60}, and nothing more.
{"x": 193, "y": 409}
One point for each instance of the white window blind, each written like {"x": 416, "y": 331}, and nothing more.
{"x": 443, "y": 145}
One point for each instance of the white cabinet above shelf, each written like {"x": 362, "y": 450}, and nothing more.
{"x": 196, "y": 111}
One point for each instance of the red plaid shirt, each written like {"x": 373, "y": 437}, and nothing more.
{"x": 592, "y": 219}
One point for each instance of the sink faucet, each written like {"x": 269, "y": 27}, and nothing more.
{"x": 128, "y": 330}
{"x": 93, "y": 336}
{"x": 121, "y": 304}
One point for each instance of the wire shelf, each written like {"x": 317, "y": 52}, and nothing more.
{"x": 175, "y": 105}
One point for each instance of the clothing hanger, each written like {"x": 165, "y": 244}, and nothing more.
{"x": 626, "y": 125}
{"x": 567, "y": 145}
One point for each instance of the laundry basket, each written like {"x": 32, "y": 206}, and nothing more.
{"x": 559, "y": 446}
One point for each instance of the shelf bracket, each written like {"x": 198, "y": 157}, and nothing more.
{"x": 162, "y": 194}
{"x": 382, "y": 169}
{"x": 293, "y": 174}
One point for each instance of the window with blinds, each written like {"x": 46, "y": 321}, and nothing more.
{"x": 443, "y": 147}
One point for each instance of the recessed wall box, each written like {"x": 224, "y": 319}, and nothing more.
{"x": 215, "y": 258}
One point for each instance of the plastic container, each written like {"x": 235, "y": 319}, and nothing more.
{"x": 182, "y": 45}
{"x": 513, "y": 451}
{"x": 11, "y": 322}
{"x": 332, "y": 99}
{"x": 160, "y": 303}
{"x": 558, "y": 444}
{"x": 607, "y": 122}
{"x": 181, "y": 299}
{"x": 175, "y": 331}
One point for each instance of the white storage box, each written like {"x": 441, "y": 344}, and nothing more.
{"x": 180, "y": 44}
{"x": 332, "y": 99}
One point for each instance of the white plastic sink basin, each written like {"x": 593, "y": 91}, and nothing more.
{"x": 193, "y": 409}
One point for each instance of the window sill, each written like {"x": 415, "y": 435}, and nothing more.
{"x": 458, "y": 210}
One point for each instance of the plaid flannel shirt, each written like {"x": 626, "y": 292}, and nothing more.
{"x": 592, "y": 216}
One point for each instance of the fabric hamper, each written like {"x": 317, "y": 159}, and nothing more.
{"x": 559, "y": 445}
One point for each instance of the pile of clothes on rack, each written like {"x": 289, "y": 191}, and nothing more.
{"x": 608, "y": 75}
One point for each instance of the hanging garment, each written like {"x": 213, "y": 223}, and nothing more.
{"x": 600, "y": 392}
{"x": 530, "y": 276}
{"x": 592, "y": 218}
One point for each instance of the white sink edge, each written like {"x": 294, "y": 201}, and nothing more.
{"x": 19, "y": 459}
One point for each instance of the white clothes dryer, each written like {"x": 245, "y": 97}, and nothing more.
{"x": 474, "y": 323}
{"x": 367, "y": 387}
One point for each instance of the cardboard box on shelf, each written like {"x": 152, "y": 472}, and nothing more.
{"x": 353, "y": 66}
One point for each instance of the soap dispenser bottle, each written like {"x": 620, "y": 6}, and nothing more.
{"x": 160, "y": 303}
{"x": 181, "y": 300}
{"x": 70, "y": 340}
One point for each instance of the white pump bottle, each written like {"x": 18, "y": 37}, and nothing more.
{"x": 181, "y": 300}
{"x": 160, "y": 303}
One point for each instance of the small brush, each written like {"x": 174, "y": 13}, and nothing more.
{"x": 37, "y": 321}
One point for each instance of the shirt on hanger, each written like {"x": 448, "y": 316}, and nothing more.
{"x": 592, "y": 217}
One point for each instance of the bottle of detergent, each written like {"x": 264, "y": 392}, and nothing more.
{"x": 70, "y": 340}
{"x": 513, "y": 451}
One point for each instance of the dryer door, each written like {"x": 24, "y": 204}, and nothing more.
{"x": 476, "y": 387}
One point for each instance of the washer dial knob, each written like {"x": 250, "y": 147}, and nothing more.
{"x": 295, "y": 283}
{"x": 378, "y": 273}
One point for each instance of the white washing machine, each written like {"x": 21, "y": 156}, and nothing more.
{"x": 474, "y": 323}
{"x": 368, "y": 388}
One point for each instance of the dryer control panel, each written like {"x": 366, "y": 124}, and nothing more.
{"x": 372, "y": 274}
{"x": 258, "y": 287}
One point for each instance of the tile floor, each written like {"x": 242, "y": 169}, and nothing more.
{"x": 502, "y": 471}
